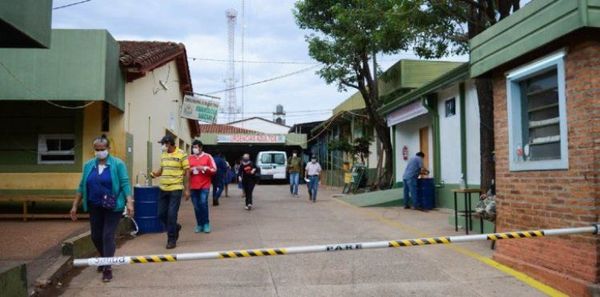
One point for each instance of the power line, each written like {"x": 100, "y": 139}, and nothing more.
{"x": 263, "y": 81}
{"x": 292, "y": 112}
{"x": 71, "y": 4}
{"x": 253, "y": 62}
{"x": 34, "y": 93}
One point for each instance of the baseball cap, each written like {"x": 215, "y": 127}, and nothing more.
{"x": 167, "y": 139}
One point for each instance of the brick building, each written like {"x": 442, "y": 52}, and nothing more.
{"x": 544, "y": 62}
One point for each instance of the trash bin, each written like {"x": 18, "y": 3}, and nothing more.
{"x": 146, "y": 209}
{"x": 426, "y": 190}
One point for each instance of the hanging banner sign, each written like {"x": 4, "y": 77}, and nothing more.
{"x": 200, "y": 109}
{"x": 250, "y": 138}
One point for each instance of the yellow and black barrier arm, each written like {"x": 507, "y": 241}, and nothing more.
{"x": 169, "y": 258}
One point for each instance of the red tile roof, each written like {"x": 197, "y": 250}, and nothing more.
{"x": 225, "y": 129}
{"x": 138, "y": 58}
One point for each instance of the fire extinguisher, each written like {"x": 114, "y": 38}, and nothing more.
{"x": 405, "y": 153}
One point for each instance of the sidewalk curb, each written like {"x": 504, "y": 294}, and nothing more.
{"x": 79, "y": 246}
{"x": 61, "y": 266}
{"x": 13, "y": 281}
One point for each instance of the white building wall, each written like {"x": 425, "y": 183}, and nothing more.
{"x": 450, "y": 146}
{"x": 373, "y": 156}
{"x": 150, "y": 110}
{"x": 407, "y": 133}
{"x": 473, "y": 137}
{"x": 262, "y": 126}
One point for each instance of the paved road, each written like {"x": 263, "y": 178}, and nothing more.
{"x": 279, "y": 220}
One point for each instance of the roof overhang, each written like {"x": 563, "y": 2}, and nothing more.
{"x": 457, "y": 74}
{"x": 81, "y": 65}
{"x": 535, "y": 25}
{"x": 25, "y": 23}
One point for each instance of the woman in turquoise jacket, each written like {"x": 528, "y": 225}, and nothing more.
{"x": 104, "y": 191}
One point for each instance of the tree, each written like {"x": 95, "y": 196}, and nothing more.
{"x": 359, "y": 148}
{"x": 444, "y": 27}
{"x": 346, "y": 37}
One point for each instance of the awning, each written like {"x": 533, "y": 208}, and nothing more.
{"x": 405, "y": 113}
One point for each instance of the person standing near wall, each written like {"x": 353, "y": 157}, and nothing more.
{"x": 104, "y": 191}
{"x": 202, "y": 170}
{"x": 312, "y": 172}
{"x": 247, "y": 177}
{"x": 294, "y": 167}
{"x": 174, "y": 166}
{"x": 411, "y": 174}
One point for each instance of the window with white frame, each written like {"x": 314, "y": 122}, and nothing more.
{"x": 56, "y": 149}
{"x": 537, "y": 115}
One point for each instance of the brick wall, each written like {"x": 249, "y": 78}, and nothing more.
{"x": 560, "y": 198}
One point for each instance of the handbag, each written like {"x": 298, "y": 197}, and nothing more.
{"x": 109, "y": 201}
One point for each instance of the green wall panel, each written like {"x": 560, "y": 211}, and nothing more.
{"x": 25, "y": 23}
{"x": 535, "y": 25}
{"x": 81, "y": 65}
{"x": 24, "y": 122}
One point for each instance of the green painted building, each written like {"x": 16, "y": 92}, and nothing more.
{"x": 53, "y": 102}
{"x": 25, "y": 23}
{"x": 349, "y": 120}
{"x": 544, "y": 64}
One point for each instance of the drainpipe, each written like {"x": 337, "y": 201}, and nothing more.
{"x": 430, "y": 103}
{"x": 463, "y": 131}
{"x": 394, "y": 161}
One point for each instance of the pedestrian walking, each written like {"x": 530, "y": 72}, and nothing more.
{"x": 174, "y": 166}
{"x": 294, "y": 167}
{"x": 104, "y": 191}
{"x": 247, "y": 176}
{"x": 202, "y": 169}
{"x": 237, "y": 166}
{"x": 312, "y": 172}
{"x": 218, "y": 180}
{"x": 411, "y": 173}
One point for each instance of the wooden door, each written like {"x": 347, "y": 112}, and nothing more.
{"x": 424, "y": 145}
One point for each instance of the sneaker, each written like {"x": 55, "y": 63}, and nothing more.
{"x": 206, "y": 228}
{"x": 249, "y": 206}
{"x": 246, "y": 207}
{"x": 171, "y": 245}
{"x": 198, "y": 229}
{"x": 107, "y": 275}
{"x": 406, "y": 207}
{"x": 215, "y": 202}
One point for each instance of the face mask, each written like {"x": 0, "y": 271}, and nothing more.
{"x": 164, "y": 148}
{"x": 102, "y": 154}
{"x": 246, "y": 160}
{"x": 295, "y": 155}
{"x": 314, "y": 161}
{"x": 196, "y": 151}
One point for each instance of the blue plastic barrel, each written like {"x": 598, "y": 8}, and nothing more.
{"x": 146, "y": 209}
{"x": 426, "y": 190}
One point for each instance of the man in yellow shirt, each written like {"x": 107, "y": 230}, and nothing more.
{"x": 174, "y": 166}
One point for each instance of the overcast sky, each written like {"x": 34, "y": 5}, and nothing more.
{"x": 271, "y": 35}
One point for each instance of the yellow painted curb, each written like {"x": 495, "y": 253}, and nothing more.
{"x": 483, "y": 259}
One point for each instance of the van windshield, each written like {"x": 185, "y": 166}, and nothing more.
{"x": 275, "y": 158}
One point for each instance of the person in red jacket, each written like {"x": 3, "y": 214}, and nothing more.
{"x": 202, "y": 168}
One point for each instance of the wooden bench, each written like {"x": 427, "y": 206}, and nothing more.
{"x": 25, "y": 200}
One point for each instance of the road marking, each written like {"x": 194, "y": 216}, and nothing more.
{"x": 467, "y": 252}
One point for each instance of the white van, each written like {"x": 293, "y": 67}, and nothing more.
{"x": 272, "y": 164}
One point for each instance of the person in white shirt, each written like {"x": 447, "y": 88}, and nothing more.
{"x": 312, "y": 173}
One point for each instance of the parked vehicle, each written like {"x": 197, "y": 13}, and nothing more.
{"x": 272, "y": 164}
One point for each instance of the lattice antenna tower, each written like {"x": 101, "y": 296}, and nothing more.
{"x": 231, "y": 107}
